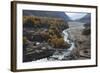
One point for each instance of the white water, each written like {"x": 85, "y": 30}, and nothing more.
{"x": 66, "y": 52}
{"x": 69, "y": 41}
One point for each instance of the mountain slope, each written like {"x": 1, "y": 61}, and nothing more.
{"x": 54, "y": 14}
{"x": 85, "y": 19}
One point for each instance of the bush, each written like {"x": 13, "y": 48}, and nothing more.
{"x": 46, "y": 22}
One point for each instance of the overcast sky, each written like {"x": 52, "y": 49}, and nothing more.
{"x": 75, "y": 16}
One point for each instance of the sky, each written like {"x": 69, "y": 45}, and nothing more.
{"x": 75, "y": 16}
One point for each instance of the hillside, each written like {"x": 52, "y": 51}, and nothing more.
{"x": 85, "y": 19}
{"x": 50, "y": 14}
{"x": 42, "y": 36}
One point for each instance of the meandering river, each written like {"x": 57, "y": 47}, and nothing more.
{"x": 69, "y": 36}
{"x": 67, "y": 51}
{"x": 63, "y": 54}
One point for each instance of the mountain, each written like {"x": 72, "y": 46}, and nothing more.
{"x": 54, "y": 14}
{"x": 85, "y": 19}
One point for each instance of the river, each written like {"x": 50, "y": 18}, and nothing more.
{"x": 63, "y": 54}
{"x": 67, "y": 51}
